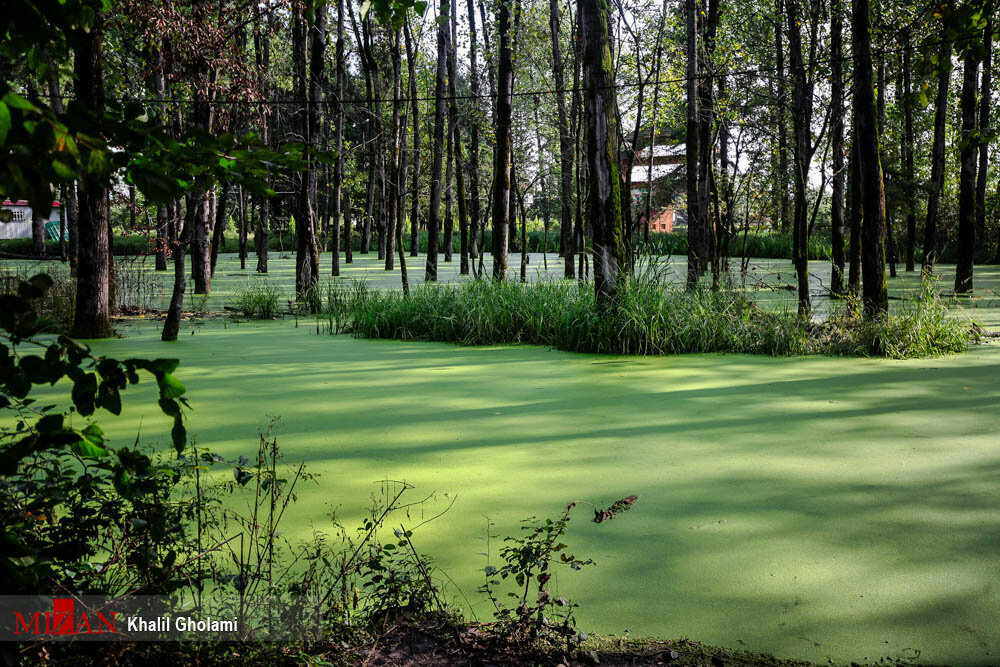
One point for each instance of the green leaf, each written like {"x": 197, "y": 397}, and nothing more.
{"x": 170, "y": 387}
{"x": 242, "y": 476}
{"x": 35, "y": 369}
{"x": 179, "y": 434}
{"x": 164, "y": 365}
{"x": 169, "y": 407}
{"x": 4, "y": 122}
{"x": 91, "y": 447}
{"x": 49, "y": 424}
{"x": 84, "y": 392}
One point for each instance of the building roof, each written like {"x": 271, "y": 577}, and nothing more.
{"x": 23, "y": 202}
{"x": 641, "y": 172}
{"x": 662, "y": 150}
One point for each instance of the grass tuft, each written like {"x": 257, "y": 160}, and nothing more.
{"x": 258, "y": 300}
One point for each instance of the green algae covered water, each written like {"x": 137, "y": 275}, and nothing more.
{"x": 820, "y": 508}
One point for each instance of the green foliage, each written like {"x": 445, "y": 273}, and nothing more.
{"x": 258, "y": 300}
{"x": 65, "y": 495}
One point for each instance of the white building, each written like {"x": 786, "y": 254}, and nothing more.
{"x": 19, "y": 226}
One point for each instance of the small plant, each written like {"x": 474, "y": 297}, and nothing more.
{"x": 258, "y": 300}
{"x": 537, "y": 618}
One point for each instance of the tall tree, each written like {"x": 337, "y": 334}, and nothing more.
{"x": 311, "y": 36}
{"x": 706, "y": 143}
{"x": 781, "y": 125}
{"x": 837, "y": 228}
{"x": 907, "y": 150}
{"x": 802, "y": 107}
{"x": 339, "y": 192}
{"x": 440, "y": 106}
{"x": 92, "y": 318}
{"x": 411, "y": 57}
{"x": 985, "y": 104}
{"x": 967, "y": 174}
{"x": 502, "y": 147}
{"x": 693, "y": 203}
{"x": 565, "y": 145}
{"x": 866, "y": 143}
{"x": 474, "y": 212}
{"x": 604, "y": 204}
{"x": 936, "y": 184}
{"x": 456, "y": 149}
{"x": 262, "y": 56}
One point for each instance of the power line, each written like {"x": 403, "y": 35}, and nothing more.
{"x": 550, "y": 91}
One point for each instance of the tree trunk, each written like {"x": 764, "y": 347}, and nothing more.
{"x": 502, "y": 148}
{"x": 62, "y": 223}
{"x": 456, "y": 149}
{"x": 397, "y": 196}
{"x": 802, "y": 104}
{"x": 911, "y": 210}
{"x": 604, "y": 205}
{"x": 171, "y": 326}
{"x": 201, "y": 249}
{"x": 221, "y": 213}
{"x": 338, "y": 167}
{"x": 985, "y": 102}
{"x": 449, "y": 154}
{"x": 73, "y": 227}
{"x": 782, "y": 124}
{"x": 307, "y": 63}
{"x": 411, "y": 58}
{"x": 706, "y": 114}
{"x": 262, "y": 56}
{"x": 38, "y": 235}
{"x": 967, "y": 177}
{"x": 244, "y": 222}
{"x": 693, "y": 202}
{"x": 92, "y": 318}
{"x": 440, "y": 103}
{"x": 856, "y": 213}
{"x": 652, "y": 121}
{"x": 837, "y": 139}
{"x": 565, "y": 147}
{"x": 937, "y": 153}
{"x": 874, "y": 295}
{"x": 474, "y": 213}
{"x": 890, "y": 242}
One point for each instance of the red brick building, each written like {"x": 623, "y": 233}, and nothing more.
{"x": 667, "y": 165}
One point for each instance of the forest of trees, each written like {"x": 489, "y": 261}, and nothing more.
{"x": 867, "y": 123}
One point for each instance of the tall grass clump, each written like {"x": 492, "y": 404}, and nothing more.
{"x": 138, "y": 288}
{"x": 651, "y": 317}
{"x": 919, "y": 327}
{"x": 57, "y": 306}
{"x": 258, "y": 300}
